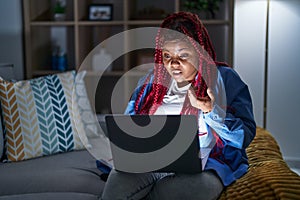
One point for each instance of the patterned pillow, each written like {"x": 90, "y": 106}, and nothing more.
{"x": 40, "y": 117}
{"x": 87, "y": 115}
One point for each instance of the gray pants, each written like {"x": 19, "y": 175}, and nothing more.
{"x": 162, "y": 186}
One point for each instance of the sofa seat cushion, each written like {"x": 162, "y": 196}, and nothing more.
{"x": 51, "y": 196}
{"x": 71, "y": 172}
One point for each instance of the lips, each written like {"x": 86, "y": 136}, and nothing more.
{"x": 176, "y": 72}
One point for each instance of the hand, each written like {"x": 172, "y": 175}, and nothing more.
{"x": 203, "y": 103}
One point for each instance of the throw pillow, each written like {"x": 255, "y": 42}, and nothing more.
{"x": 87, "y": 115}
{"x": 40, "y": 116}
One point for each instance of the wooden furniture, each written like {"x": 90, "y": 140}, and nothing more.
{"x": 78, "y": 36}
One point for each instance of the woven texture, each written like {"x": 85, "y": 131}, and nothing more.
{"x": 268, "y": 177}
{"x": 40, "y": 116}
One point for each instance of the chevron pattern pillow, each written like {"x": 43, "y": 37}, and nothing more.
{"x": 87, "y": 115}
{"x": 41, "y": 116}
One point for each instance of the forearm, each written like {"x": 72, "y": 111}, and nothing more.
{"x": 239, "y": 131}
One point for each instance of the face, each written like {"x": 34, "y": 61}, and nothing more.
{"x": 181, "y": 61}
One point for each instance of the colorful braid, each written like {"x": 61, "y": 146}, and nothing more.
{"x": 190, "y": 25}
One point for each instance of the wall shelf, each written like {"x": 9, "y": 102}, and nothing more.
{"x": 81, "y": 36}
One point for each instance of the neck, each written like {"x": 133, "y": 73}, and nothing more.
{"x": 182, "y": 84}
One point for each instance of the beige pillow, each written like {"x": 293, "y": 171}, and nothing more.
{"x": 41, "y": 116}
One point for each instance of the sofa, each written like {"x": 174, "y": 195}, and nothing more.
{"x": 71, "y": 175}
{"x": 47, "y": 123}
{"x": 71, "y": 172}
{"x": 268, "y": 176}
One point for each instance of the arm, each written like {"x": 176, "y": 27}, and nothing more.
{"x": 233, "y": 122}
{"x": 130, "y": 106}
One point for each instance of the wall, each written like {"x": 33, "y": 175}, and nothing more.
{"x": 283, "y": 94}
{"x": 249, "y": 49}
{"x": 282, "y": 87}
{"x": 11, "y": 35}
{"x": 283, "y": 108}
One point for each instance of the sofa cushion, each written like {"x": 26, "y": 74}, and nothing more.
{"x": 51, "y": 196}
{"x": 72, "y": 172}
{"x": 41, "y": 116}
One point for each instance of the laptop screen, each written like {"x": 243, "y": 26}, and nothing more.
{"x": 145, "y": 143}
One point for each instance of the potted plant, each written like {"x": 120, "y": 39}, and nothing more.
{"x": 207, "y": 6}
{"x": 59, "y": 10}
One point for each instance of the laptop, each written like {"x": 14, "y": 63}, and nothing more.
{"x": 154, "y": 143}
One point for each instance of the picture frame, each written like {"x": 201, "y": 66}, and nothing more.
{"x": 100, "y": 12}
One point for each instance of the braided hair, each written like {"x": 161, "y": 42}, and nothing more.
{"x": 191, "y": 27}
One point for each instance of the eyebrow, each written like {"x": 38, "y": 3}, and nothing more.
{"x": 178, "y": 50}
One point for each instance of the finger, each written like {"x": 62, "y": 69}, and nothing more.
{"x": 192, "y": 98}
{"x": 204, "y": 99}
{"x": 210, "y": 94}
{"x": 191, "y": 95}
{"x": 191, "y": 91}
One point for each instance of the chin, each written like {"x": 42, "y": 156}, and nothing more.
{"x": 180, "y": 80}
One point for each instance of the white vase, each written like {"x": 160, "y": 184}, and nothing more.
{"x": 102, "y": 61}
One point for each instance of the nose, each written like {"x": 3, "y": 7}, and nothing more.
{"x": 175, "y": 63}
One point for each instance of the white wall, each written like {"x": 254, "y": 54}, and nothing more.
{"x": 11, "y": 39}
{"x": 283, "y": 93}
{"x": 249, "y": 49}
{"x": 283, "y": 113}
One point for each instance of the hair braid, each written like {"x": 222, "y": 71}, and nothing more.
{"x": 160, "y": 82}
{"x": 190, "y": 25}
{"x": 140, "y": 94}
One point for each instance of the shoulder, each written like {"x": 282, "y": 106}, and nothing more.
{"x": 234, "y": 86}
{"x": 143, "y": 78}
{"x": 230, "y": 76}
{"x": 227, "y": 72}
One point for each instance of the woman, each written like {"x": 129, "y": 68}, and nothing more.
{"x": 187, "y": 79}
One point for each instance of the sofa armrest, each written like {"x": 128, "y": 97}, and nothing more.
{"x": 268, "y": 176}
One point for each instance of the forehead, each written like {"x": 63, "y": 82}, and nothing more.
{"x": 176, "y": 45}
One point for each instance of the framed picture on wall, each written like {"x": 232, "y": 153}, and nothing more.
{"x": 100, "y": 12}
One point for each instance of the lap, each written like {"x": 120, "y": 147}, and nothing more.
{"x": 121, "y": 185}
{"x": 205, "y": 185}
{"x": 160, "y": 186}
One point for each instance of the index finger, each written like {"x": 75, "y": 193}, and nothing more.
{"x": 210, "y": 94}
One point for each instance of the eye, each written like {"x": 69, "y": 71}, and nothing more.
{"x": 166, "y": 56}
{"x": 184, "y": 55}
